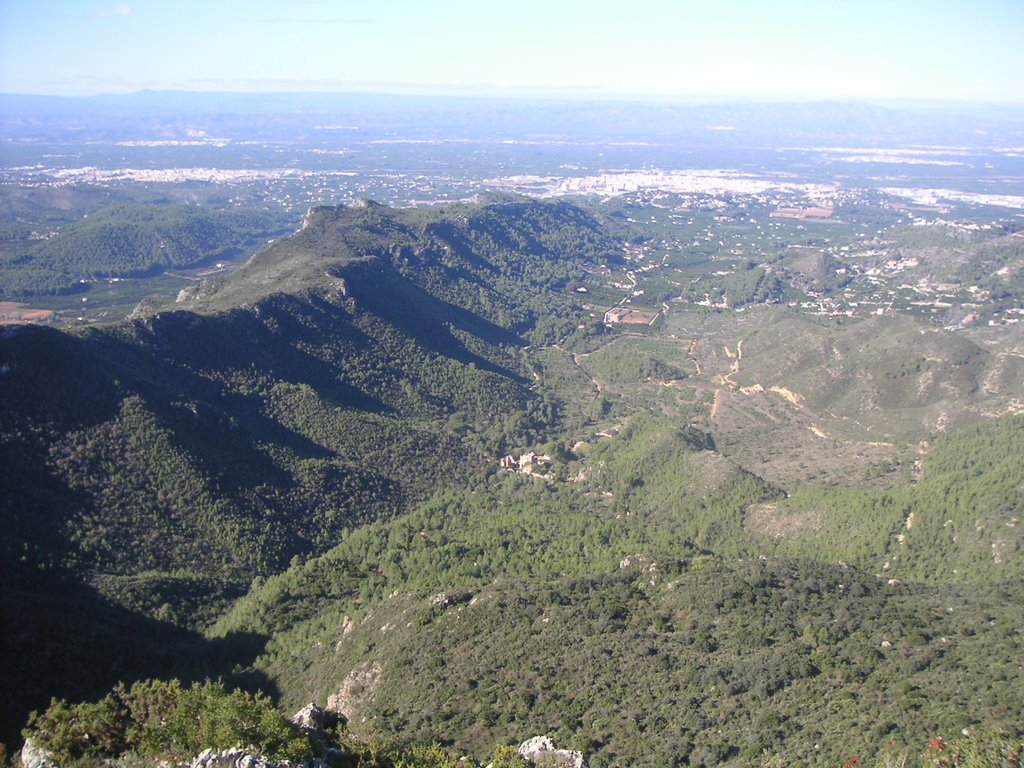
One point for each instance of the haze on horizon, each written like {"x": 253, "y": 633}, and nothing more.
{"x": 940, "y": 50}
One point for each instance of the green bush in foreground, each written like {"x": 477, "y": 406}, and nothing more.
{"x": 156, "y": 721}
{"x": 166, "y": 719}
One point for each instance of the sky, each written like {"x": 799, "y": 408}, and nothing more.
{"x": 759, "y": 49}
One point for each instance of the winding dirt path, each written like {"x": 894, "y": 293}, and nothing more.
{"x": 735, "y": 367}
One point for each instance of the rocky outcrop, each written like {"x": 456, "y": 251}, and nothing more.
{"x": 541, "y": 750}
{"x": 34, "y": 756}
{"x": 240, "y": 758}
{"x": 316, "y": 722}
{"x": 358, "y": 685}
{"x": 311, "y": 719}
{"x": 232, "y": 758}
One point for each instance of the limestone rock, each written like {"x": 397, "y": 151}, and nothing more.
{"x": 541, "y": 750}
{"x": 358, "y": 685}
{"x": 239, "y": 758}
{"x": 230, "y": 758}
{"x": 310, "y": 718}
{"x": 315, "y": 722}
{"x": 35, "y": 756}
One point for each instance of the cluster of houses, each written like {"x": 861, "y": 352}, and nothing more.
{"x": 528, "y": 463}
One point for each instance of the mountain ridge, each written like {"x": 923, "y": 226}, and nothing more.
{"x": 209, "y": 449}
{"x": 318, "y": 437}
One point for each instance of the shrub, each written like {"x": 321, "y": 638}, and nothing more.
{"x": 165, "y": 718}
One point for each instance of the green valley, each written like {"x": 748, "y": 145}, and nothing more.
{"x": 405, "y": 465}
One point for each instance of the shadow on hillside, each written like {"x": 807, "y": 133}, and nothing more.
{"x": 427, "y": 319}
{"x": 62, "y": 639}
{"x": 269, "y": 341}
{"x": 202, "y": 378}
{"x": 78, "y": 381}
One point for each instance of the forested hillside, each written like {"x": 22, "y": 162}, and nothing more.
{"x": 397, "y": 464}
{"x": 632, "y": 640}
{"x": 169, "y": 461}
{"x": 129, "y": 240}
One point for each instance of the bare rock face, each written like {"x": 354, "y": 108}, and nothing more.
{"x": 315, "y": 722}
{"x": 541, "y": 750}
{"x": 34, "y": 756}
{"x": 239, "y": 758}
{"x": 310, "y": 718}
{"x": 230, "y": 758}
{"x": 359, "y": 684}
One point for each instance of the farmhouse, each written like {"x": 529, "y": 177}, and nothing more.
{"x": 630, "y": 316}
{"x": 525, "y": 462}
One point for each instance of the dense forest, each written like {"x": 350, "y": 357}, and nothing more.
{"x": 129, "y": 240}
{"x": 169, "y": 461}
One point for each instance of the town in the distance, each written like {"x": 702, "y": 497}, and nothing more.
{"x": 373, "y": 430}
{"x": 741, "y": 217}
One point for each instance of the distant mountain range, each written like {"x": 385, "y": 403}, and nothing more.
{"x": 158, "y": 114}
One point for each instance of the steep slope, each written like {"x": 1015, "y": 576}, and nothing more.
{"x": 507, "y": 260}
{"x": 674, "y": 658}
{"x": 169, "y": 461}
{"x": 961, "y": 521}
{"x": 219, "y": 435}
{"x": 633, "y": 641}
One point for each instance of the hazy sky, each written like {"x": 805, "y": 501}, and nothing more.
{"x": 930, "y": 49}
